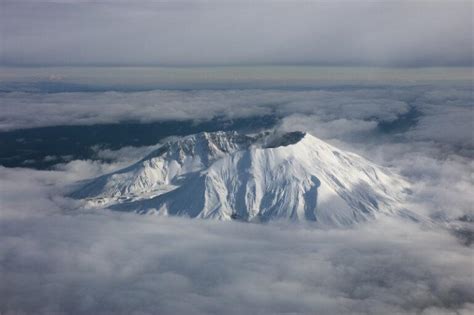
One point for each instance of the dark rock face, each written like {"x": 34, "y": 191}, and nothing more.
{"x": 286, "y": 139}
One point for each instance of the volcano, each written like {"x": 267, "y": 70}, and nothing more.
{"x": 256, "y": 178}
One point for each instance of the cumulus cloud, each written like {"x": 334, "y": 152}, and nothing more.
{"x": 441, "y": 179}
{"x": 431, "y": 142}
{"x": 433, "y": 125}
{"x": 406, "y": 33}
{"x": 26, "y": 110}
{"x": 337, "y": 128}
{"x": 57, "y": 257}
{"x": 66, "y": 260}
{"x": 428, "y": 139}
{"x": 434, "y": 149}
{"x": 442, "y": 114}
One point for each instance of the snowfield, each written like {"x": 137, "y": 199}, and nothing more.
{"x": 226, "y": 175}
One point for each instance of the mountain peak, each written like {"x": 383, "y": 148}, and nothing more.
{"x": 285, "y": 139}
{"x": 206, "y": 145}
{"x": 227, "y": 175}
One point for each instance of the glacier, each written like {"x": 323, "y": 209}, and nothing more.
{"x": 255, "y": 178}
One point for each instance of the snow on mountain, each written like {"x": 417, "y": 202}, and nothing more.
{"x": 226, "y": 175}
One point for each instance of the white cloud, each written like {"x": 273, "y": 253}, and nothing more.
{"x": 337, "y": 128}
{"x": 27, "y": 110}
{"x": 103, "y": 263}
{"x": 433, "y": 150}
{"x": 56, "y": 257}
{"x": 442, "y": 180}
{"x": 446, "y": 124}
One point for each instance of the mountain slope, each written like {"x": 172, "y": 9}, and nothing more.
{"x": 225, "y": 175}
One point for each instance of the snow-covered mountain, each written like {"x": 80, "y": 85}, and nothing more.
{"x": 226, "y": 175}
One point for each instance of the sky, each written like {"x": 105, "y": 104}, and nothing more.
{"x": 197, "y": 33}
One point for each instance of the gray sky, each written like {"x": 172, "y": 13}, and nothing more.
{"x": 183, "y": 33}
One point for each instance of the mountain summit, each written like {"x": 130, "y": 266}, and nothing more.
{"x": 227, "y": 175}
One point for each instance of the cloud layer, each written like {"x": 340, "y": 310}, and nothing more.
{"x": 20, "y": 110}
{"x": 424, "y": 132}
{"x": 56, "y": 257}
{"x": 333, "y": 111}
{"x": 64, "y": 261}
{"x": 397, "y": 33}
